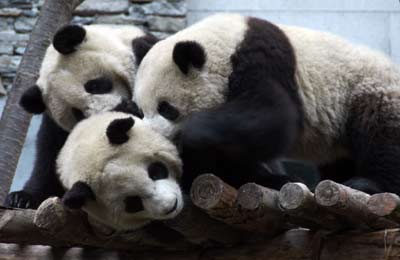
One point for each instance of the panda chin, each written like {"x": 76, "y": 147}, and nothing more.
{"x": 78, "y": 114}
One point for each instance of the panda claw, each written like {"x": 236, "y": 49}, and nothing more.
{"x": 18, "y": 199}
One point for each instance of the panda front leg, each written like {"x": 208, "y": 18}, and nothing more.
{"x": 256, "y": 126}
{"x": 43, "y": 182}
{"x": 374, "y": 136}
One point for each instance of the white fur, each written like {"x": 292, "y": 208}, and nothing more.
{"x": 117, "y": 171}
{"x": 200, "y": 89}
{"x": 331, "y": 73}
{"x": 106, "y": 51}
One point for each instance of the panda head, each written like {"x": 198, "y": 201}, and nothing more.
{"x": 87, "y": 70}
{"x": 174, "y": 79}
{"x": 120, "y": 172}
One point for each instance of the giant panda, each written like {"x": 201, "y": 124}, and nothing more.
{"x": 87, "y": 69}
{"x": 241, "y": 89}
{"x": 120, "y": 171}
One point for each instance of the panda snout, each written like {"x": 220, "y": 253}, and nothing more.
{"x": 172, "y": 209}
{"x": 133, "y": 204}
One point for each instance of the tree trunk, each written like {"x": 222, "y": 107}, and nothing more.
{"x": 15, "y": 121}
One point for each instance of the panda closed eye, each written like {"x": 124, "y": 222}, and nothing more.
{"x": 157, "y": 171}
{"x": 100, "y": 85}
{"x": 168, "y": 111}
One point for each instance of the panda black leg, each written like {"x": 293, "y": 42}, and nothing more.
{"x": 374, "y": 137}
{"x": 43, "y": 182}
{"x": 340, "y": 170}
{"x": 258, "y": 125}
{"x": 272, "y": 175}
{"x": 364, "y": 184}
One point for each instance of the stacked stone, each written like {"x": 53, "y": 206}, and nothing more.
{"x": 17, "y": 18}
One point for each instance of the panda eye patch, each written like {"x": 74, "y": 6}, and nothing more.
{"x": 166, "y": 110}
{"x": 98, "y": 86}
{"x": 157, "y": 171}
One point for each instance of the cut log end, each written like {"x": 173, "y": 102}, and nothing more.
{"x": 292, "y": 196}
{"x": 51, "y": 215}
{"x": 329, "y": 193}
{"x": 209, "y": 191}
{"x": 249, "y": 196}
{"x": 383, "y": 204}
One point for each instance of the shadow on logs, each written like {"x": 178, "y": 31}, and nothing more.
{"x": 199, "y": 228}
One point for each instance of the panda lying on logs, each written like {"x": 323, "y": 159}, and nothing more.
{"x": 87, "y": 70}
{"x": 121, "y": 172}
{"x": 243, "y": 90}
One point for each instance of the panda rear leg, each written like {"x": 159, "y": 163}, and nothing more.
{"x": 374, "y": 137}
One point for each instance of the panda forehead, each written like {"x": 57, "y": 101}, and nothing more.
{"x": 149, "y": 88}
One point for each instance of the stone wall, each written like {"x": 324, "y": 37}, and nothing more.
{"x": 17, "y": 18}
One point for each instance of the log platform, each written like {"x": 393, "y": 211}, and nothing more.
{"x": 220, "y": 222}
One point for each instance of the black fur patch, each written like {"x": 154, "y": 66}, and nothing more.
{"x": 260, "y": 120}
{"x": 76, "y": 197}
{"x": 78, "y": 114}
{"x": 373, "y": 138}
{"x": 265, "y": 52}
{"x": 129, "y": 107}
{"x": 116, "y": 131}
{"x": 99, "y": 86}
{"x": 142, "y": 45}
{"x": 133, "y": 204}
{"x": 32, "y": 100}
{"x": 68, "y": 38}
{"x": 188, "y": 53}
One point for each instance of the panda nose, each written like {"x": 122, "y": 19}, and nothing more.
{"x": 133, "y": 204}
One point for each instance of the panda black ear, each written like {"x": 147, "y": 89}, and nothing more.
{"x": 188, "y": 53}
{"x": 68, "y": 38}
{"x": 117, "y": 130}
{"x": 142, "y": 45}
{"x": 76, "y": 197}
{"x": 32, "y": 100}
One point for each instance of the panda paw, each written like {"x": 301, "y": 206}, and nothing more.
{"x": 20, "y": 199}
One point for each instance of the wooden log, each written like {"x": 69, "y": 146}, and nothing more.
{"x": 350, "y": 203}
{"x": 260, "y": 210}
{"x": 296, "y": 244}
{"x": 16, "y": 226}
{"x": 73, "y": 226}
{"x": 199, "y": 228}
{"x": 298, "y": 201}
{"x": 385, "y": 205}
{"x": 14, "y": 121}
{"x": 53, "y": 225}
{"x": 216, "y": 198}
